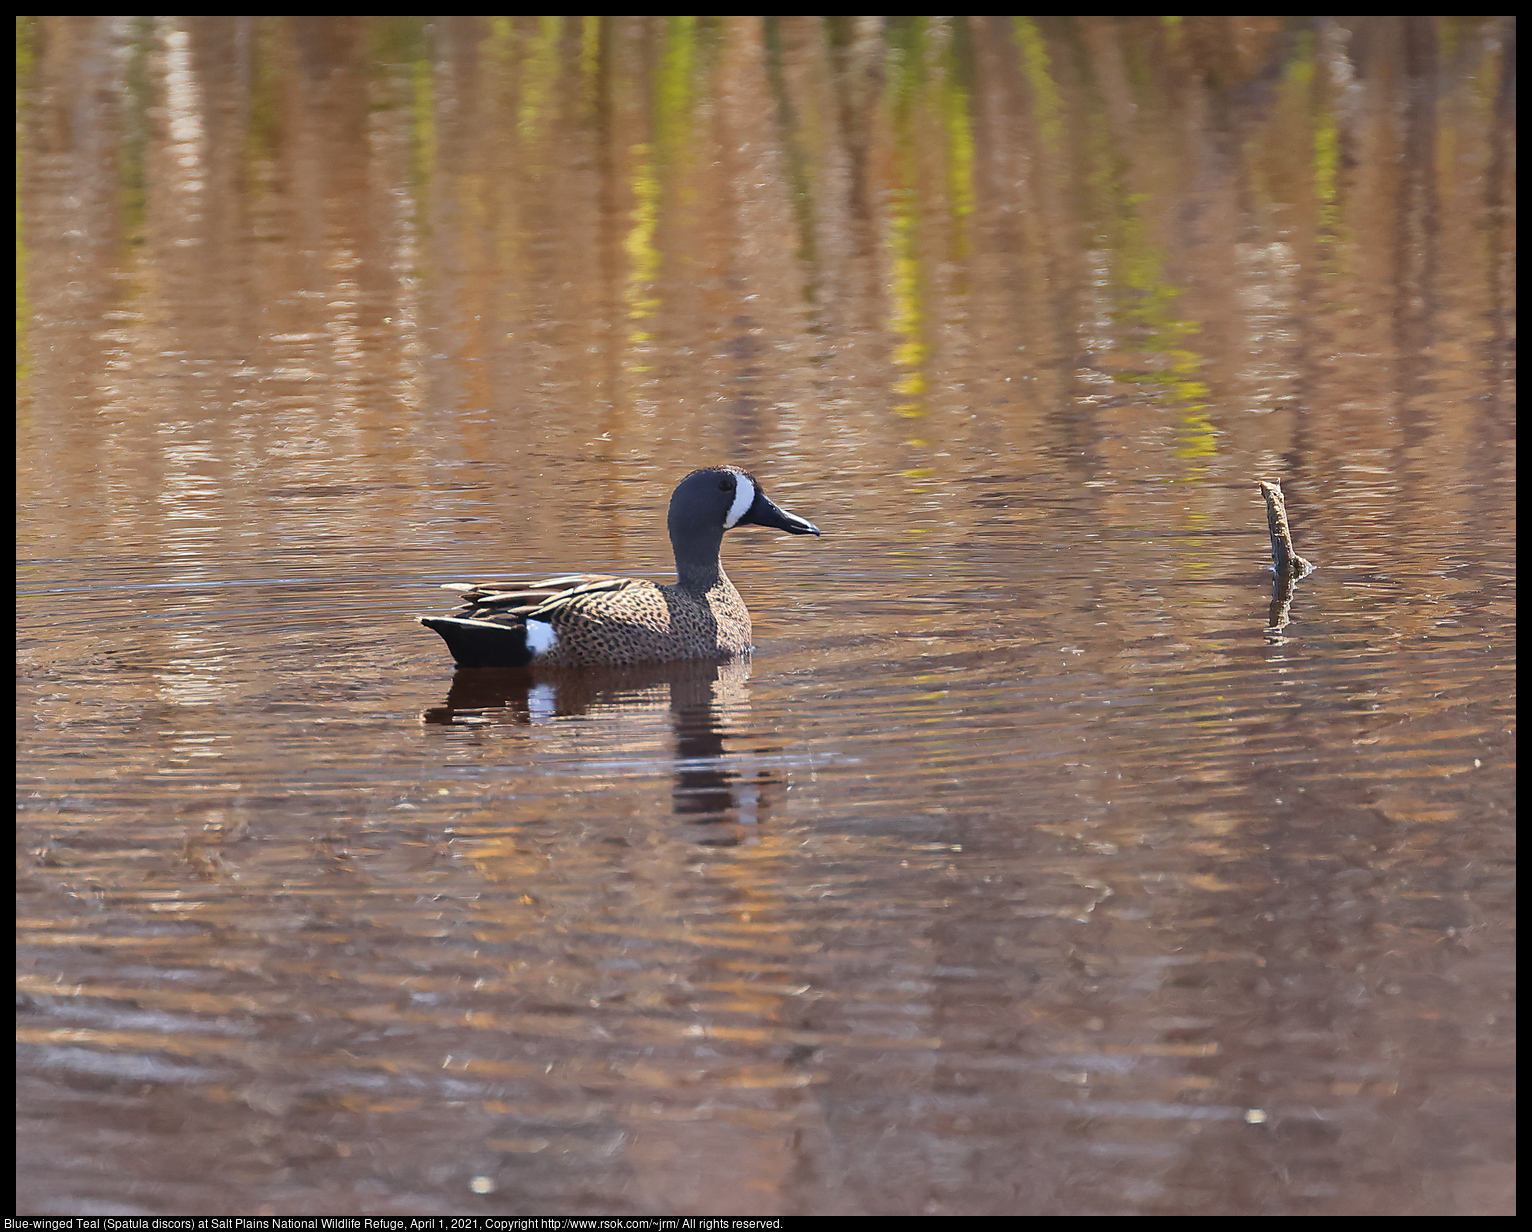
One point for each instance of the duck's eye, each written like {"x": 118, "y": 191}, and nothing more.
{"x": 726, "y": 485}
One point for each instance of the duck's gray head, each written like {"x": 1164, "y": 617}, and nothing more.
{"x": 718, "y": 498}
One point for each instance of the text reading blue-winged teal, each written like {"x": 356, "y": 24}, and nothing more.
{"x": 580, "y": 619}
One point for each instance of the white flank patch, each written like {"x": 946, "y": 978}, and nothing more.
{"x": 540, "y": 637}
{"x": 744, "y": 497}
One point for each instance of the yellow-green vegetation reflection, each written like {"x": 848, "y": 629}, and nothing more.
{"x": 669, "y": 153}
{"x": 1150, "y": 328}
{"x": 906, "y": 316}
{"x": 539, "y": 74}
{"x": 643, "y": 254}
{"x": 1036, "y": 66}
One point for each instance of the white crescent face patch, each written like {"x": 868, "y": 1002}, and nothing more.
{"x": 744, "y": 497}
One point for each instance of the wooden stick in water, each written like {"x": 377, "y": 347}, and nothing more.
{"x": 1282, "y": 553}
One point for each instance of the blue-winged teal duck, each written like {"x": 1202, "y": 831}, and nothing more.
{"x": 580, "y": 619}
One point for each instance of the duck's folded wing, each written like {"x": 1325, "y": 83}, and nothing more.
{"x": 486, "y": 600}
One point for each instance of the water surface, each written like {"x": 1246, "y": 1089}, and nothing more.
{"x": 1033, "y": 864}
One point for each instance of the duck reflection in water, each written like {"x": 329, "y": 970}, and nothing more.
{"x": 699, "y": 696}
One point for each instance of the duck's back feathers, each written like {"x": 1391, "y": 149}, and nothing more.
{"x": 483, "y": 600}
{"x": 508, "y": 624}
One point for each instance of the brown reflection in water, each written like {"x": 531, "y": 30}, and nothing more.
{"x": 322, "y": 239}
